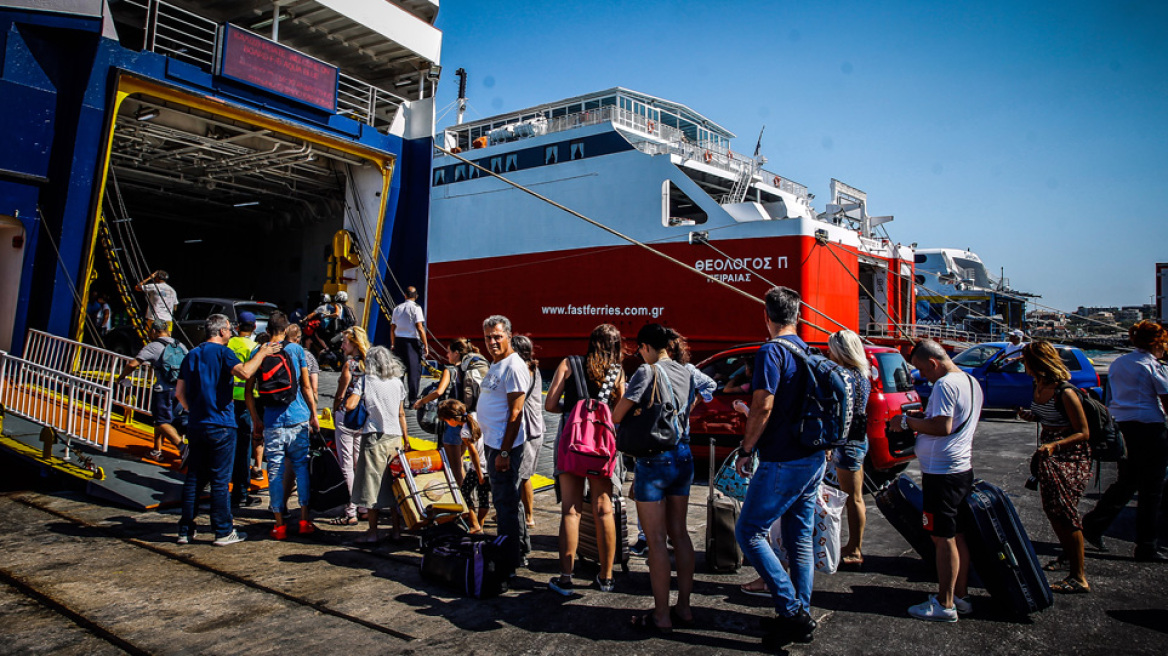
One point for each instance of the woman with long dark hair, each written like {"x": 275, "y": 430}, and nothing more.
{"x": 603, "y": 358}
{"x": 1063, "y": 458}
{"x": 458, "y": 353}
{"x": 663, "y": 480}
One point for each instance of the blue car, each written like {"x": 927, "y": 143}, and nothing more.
{"x": 1004, "y": 380}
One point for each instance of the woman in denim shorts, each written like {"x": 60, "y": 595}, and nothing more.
{"x": 845, "y": 348}
{"x": 663, "y": 480}
{"x": 451, "y": 437}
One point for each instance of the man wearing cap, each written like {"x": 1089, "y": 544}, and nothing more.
{"x": 161, "y": 298}
{"x": 407, "y": 339}
{"x": 164, "y": 410}
{"x": 1015, "y": 346}
{"x": 242, "y": 344}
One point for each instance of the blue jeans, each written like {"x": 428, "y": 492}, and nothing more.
{"x": 664, "y": 474}
{"x": 212, "y": 452}
{"x": 787, "y": 490}
{"x": 291, "y": 443}
{"x": 505, "y": 489}
{"x": 240, "y": 474}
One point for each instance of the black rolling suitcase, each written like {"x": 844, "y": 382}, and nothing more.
{"x": 473, "y": 565}
{"x": 1002, "y": 553}
{"x": 902, "y": 504}
{"x": 722, "y": 551}
{"x": 587, "y": 548}
{"x": 327, "y": 488}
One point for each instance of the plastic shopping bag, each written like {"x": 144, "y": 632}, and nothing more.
{"x": 829, "y": 510}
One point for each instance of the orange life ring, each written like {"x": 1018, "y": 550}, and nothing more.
{"x": 708, "y": 157}
{"x": 777, "y": 181}
{"x": 651, "y": 126}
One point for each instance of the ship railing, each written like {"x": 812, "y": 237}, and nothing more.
{"x": 940, "y": 331}
{"x": 72, "y": 406}
{"x": 194, "y": 39}
{"x": 94, "y": 365}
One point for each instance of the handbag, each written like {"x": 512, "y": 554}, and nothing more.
{"x": 652, "y": 427}
{"x": 355, "y": 419}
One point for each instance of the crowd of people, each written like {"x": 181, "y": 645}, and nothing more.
{"x": 491, "y": 408}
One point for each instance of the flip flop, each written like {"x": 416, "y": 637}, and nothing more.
{"x": 645, "y": 623}
{"x": 852, "y": 562}
{"x": 678, "y": 619}
{"x": 753, "y": 592}
{"x": 343, "y": 521}
{"x": 1069, "y": 586}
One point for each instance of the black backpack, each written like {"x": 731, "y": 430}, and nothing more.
{"x": 275, "y": 380}
{"x": 1106, "y": 441}
{"x": 348, "y": 319}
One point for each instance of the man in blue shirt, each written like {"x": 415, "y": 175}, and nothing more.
{"x": 204, "y": 388}
{"x": 788, "y": 475}
{"x": 285, "y": 427}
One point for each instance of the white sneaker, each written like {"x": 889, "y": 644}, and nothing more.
{"x": 962, "y": 605}
{"x": 933, "y": 611}
{"x": 231, "y": 538}
{"x": 186, "y": 538}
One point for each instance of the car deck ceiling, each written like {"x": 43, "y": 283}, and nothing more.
{"x": 186, "y": 162}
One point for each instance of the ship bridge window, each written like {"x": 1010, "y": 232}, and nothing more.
{"x": 678, "y": 209}
{"x": 551, "y": 155}
{"x": 577, "y": 149}
{"x": 920, "y": 259}
{"x": 559, "y": 111}
{"x": 575, "y": 109}
{"x": 496, "y": 165}
{"x": 512, "y": 162}
{"x": 592, "y": 104}
{"x": 608, "y": 102}
{"x": 439, "y": 177}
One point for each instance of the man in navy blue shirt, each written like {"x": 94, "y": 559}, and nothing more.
{"x": 788, "y": 475}
{"x": 205, "y": 388}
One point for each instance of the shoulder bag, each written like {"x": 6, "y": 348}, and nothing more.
{"x": 355, "y": 419}
{"x": 652, "y": 426}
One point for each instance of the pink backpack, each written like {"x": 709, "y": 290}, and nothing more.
{"x": 587, "y": 444}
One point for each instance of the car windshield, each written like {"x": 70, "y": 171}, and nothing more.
{"x": 976, "y": 356}
{"x": 894, "y": 372}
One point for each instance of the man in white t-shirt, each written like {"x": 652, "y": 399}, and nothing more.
{"x": 1015, "y": 344}
{"x": 500, "y": 415}
{"x": 944, "y": 450}
{"x": 407, "y": 339}
{"x": 161, "y": 299}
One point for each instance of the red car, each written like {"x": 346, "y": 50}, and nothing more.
{"x": 892, "y": 393}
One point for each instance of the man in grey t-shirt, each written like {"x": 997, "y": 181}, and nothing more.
{"x": 164, "y": 409}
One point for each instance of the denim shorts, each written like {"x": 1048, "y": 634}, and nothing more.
{"x": 850, "y": 456}
{"x": 452, "y": 436}
{"x": 665, "y": 474}
{"x": 164, "y": 407}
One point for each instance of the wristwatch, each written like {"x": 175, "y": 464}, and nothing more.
{"x": 504, "y": 454}
{"x": 904, "y": 422}
{"x": 743, "y": 453}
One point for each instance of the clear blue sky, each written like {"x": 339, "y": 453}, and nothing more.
{"x": 1035, "y": 134}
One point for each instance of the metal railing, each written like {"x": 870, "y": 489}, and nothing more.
{"x": 673, "y": 142}
{"x": 189, "y": 37}
{"x": 74, "y": 407}
{"x": 93, "y": 365}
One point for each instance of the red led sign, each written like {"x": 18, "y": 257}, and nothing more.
{"x": 252, "y": 59}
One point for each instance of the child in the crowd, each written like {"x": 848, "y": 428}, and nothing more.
{"x": 475, "y": 484}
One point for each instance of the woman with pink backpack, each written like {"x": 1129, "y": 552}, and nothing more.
{"x": 586, "y": 448}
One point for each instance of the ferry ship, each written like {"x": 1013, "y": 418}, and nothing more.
{"x": 957, "y": 296}
{"x": 662, "y": 174}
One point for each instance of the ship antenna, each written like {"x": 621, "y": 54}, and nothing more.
{"x": 461, "y": 73}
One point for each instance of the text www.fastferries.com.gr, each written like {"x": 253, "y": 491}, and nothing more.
{"x": 604, "y": 310}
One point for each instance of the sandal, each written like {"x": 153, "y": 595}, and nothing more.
{"x": 647, "y": 623}
{"x": 1057, "y": 565}
{"x": 344, "y": 521}
{"x": 754, "y": 592}
{"x": 853, "y": 562}
{"x": 1069, "y": 586}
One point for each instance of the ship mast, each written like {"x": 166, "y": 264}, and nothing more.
{"x": 461, "y": 73}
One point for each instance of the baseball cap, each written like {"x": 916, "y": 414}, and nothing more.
{"x": 1018, "y": 333}
{"x": 247, "y": 317}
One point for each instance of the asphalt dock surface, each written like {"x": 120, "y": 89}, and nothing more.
{"x": 80, "y": 577}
